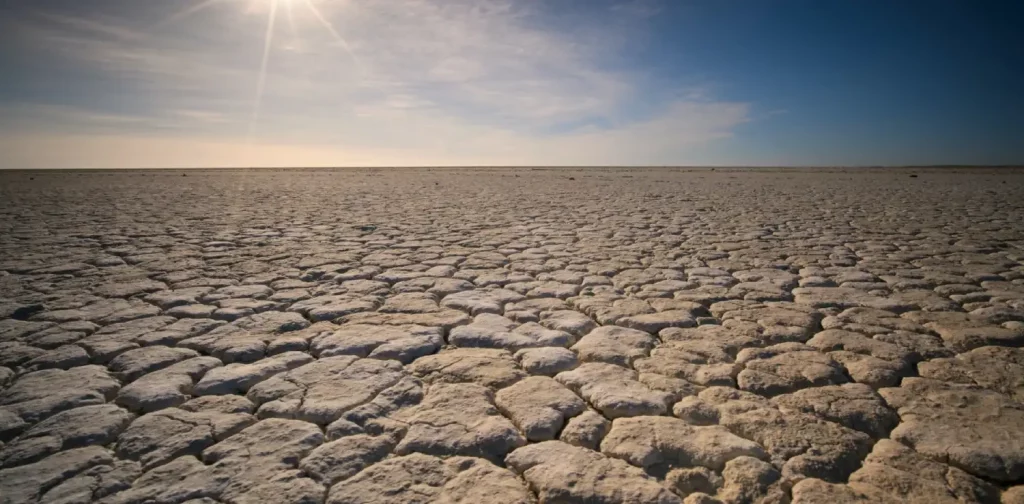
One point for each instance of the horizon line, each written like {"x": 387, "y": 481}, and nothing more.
{"x": 499, "y": 167}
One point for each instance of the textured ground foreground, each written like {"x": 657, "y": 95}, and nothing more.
{"x": 512, "y": 336}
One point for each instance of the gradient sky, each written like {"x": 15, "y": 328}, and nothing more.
{"x": 192, "y": 83}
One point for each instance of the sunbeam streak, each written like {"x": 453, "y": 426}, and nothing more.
{"x": 290, "y": 12}
{"x": 327, "y": 24}
{"x": 262, "y": 81}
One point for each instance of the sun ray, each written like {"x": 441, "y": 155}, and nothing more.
{"x": 262, "y": 80}
{"x": 330, "y": 28}
{"x": 290, "y": 12}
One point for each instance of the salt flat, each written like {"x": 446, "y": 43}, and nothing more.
{"x": 512, "y": 335}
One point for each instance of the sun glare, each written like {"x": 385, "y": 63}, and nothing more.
{"x": 271, "y": 7}
{"x": 261, "y": 83}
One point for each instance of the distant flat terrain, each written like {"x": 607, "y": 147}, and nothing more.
{"x": 512, "y": 335}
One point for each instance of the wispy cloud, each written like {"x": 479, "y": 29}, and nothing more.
{"x": 639, "y": 8}
{"x": 378, "y": 82}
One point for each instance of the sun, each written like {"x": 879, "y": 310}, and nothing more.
{"x": 271, "y": 7}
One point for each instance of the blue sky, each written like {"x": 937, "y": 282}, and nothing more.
{"x": 168, "y": 83}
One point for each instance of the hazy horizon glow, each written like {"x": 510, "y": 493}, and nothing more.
{"x": 194, "y": 83}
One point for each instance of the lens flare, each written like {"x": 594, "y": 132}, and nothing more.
{"x": 261, "y": 82}
{"x": 268, "y": 39}
{"x": 330, "y": 28}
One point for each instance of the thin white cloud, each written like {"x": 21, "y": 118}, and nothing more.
{"x": 639, "y": 8}
{"x": 422, "y": 82}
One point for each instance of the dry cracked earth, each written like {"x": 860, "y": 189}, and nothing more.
{"x": 512, "y": 336}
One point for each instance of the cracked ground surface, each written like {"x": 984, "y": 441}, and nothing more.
{"x": 512, "y": 336}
